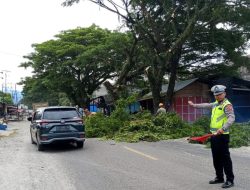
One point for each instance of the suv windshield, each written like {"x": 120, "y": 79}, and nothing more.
{"x": 58, "y": 114}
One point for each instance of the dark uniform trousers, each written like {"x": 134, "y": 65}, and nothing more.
{"x": 221, "y": 157}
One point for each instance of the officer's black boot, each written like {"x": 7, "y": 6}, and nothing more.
{"x": 227, "y": 184}
{"x": 216, "y": 180}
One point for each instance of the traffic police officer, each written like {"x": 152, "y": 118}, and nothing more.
{"x": 221, "y": 119}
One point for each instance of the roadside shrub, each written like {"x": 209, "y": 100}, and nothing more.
{"x": 200, "y": 127}
{"x": 168, "y": 120}
{"x": 171, "y": 126}
{"x": 150, "y": 137}
{"x": 99, "y": 125}
{"x": 184, "y": 131}
{"x": 138, "y": 125}
{"x": 121, "y": 112}
{"x": 143, "y": 126}
{"x": 203, "y": 122}
{"x": 239, "y": 135}
{"x": 145, "y": 114}
{"x": 133, "y": 137}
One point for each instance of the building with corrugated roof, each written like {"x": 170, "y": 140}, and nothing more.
{"x": 198, "y": 91}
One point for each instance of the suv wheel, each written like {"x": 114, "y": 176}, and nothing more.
{"x": 31, "y": 138}
{"x": 79, "y": 144}
{"x": 39, "y": 146}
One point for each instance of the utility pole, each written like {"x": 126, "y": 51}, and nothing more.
{"x": 4, "y": 72}
{"x": 2, "y": 87}
{"x": 15, "y": 95}
{"x": 5, "y": 79}
{"x": 2, "y": 98}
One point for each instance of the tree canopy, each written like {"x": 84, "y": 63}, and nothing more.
{"x": 35, "y": 90}
{"x": 77, "y": 62}
{"x": 184, "y": 37}
{"x": 6, "y": 98}
{"x": 177, "y": 39}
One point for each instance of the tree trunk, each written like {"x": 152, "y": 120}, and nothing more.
{"x": 156, "y": 93}
{"x": 174, "y": 62}
{"x": 155, "y": 78}
{"x": 112, "y": 91}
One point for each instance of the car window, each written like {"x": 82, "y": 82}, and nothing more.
{"x": 58, "y": 114}
{"x": 37, "y": 115}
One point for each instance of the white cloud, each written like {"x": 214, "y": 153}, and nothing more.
{"x": 34, "y": 21}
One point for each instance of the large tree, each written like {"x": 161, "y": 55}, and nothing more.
{"x": 6, "y": 98}
{"x": 35, "y": 90}
{"x": 78, "y": 61}
{"x": 130, "y": 75}
{"x": 184, "y": 36}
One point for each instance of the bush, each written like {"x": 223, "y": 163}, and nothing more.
{"x": 138, "y": 125}
{"x": 169, "y": 120}
{"x": 99, "y": 125}
{"x": 161, "y": 127}
{"x": 239, "y": 135}
{"x": 142, "y": 126}
{"x": 170, "y": 126}
{"x": 121, "y": 112}
{"x": 137, "y": 130}
{"x": 136, "y": 137}
{"x": 145, "y": 114}
{"x": 200, "y": 127}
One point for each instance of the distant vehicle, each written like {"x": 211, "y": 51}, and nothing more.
{"x": 56, "y": 124}
{"x": 14, "y": 113}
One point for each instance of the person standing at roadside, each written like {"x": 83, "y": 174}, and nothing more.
{"x": 87, "y": 112}
{"x": 161, "y": 109}
{"x": 221, "y": 119}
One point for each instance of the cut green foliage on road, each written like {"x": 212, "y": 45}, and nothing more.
{"x": 144, "y": 126}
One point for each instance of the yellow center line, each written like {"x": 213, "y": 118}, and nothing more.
{"x": 140, "y": 153}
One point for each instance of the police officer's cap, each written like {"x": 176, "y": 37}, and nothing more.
{"x": 218, "y": 89}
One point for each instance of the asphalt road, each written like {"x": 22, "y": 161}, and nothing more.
{"x": 105, "y": 165}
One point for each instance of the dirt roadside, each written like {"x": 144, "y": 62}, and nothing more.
{"x": 24, "y": 168}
